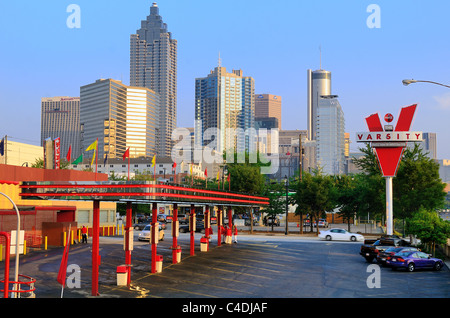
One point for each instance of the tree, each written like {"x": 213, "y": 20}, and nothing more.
{"x": 246, "y": 176}
{"x": 417, "y": 184}
{"x": 429, "y": 228}
{"x": 315, "y": 195}
{"x": 347, "y": 197}
{"x": 277, "y": 195}
{"x": 39, "y": 163}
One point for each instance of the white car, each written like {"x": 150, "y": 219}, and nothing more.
{"x": 144, "y": 235}
{"x": 340, "y": 234}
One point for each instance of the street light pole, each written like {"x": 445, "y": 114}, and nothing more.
{"x": 16, "y": 273}
{"x": 287, "y": 203}
{"x": 406, "y": 82}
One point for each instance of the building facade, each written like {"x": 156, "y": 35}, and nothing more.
{"x": 318, "y": 84}
{"x": 224, "y": 111}
{"x": 268, "y": 106}
{"x": 330, "y": 136}
{"x": 121, "y": 117}
{"x": 153, "y": 64}
{"x": 60, "y": 117}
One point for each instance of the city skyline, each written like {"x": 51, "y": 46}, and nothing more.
{"x": 368, "y": 64}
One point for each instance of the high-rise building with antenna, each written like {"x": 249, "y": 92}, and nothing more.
{"x": 325, "y": 121}
{"x": 153, "y": 64}
{"x": 319, "y": 84}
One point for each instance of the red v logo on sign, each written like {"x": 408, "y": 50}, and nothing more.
{"x": 389, "y": 157}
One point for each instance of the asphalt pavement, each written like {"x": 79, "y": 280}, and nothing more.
{"x": 252, "y": 263}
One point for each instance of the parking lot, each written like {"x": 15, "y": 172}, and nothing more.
{"x": 258, "y": 266}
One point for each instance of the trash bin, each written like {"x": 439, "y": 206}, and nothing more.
{"x": 178, "y": 254}
{"x": 122, "y": 275}
{"x": 204, "y": 244}
{"x": 159, "y": 262}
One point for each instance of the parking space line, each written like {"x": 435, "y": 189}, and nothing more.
{"x": 242, "y": 265}
{"x": 223, "y": 278}
{"x": 191, "y": 292}
{"x": 234, "y": 272}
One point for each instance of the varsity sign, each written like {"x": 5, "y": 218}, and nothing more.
{"x": 389, "y": 136}
{"x": 389, "y": 142}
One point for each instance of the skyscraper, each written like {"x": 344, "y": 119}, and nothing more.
{"x": 121, "y": 117}
{"x": 319, "y": 84}
{"x": 60, "y": 117}
{"x": 153, "y": 64}
{"x": 330, "y": 135}
{"x": 268, "y": 106}
{"x": 225, "y": 101}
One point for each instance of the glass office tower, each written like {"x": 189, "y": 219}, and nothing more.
{"x": 121, "y": 117}
{"x": 60, "y": 117}
{"x": 330, "y": 135}
{"x": 224, "y": 111}
{"x": 319, "y": 84}
{"x": 153, "y": 64}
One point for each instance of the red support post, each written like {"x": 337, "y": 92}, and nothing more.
{"x": 153, "y": 236}
{"x": 95, "y": 247}
{"x": 127, "y": 241}
{"x": 207, "y": 222}
{"x": 219, "y": 225}
{"x": 192, "y": 222}
{"x": 175, "y": 247}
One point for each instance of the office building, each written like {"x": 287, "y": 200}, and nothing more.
{"x": 268, "y": 106}
{"x": 318, "y": 84}
{"x": 428, "y": 145}
{"x": 153, "y": 64}
{"x": 330, "y": 136}
{"x": 121, "y": 117}
{"x": 60, "y": 117}
{"x": 224, "y": 111}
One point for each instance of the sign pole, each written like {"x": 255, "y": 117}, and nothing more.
{"x": 389, "y": 206}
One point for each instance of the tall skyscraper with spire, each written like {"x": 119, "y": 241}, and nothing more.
{"x": 153, "y": 64}
{"x": 326, "y": 124}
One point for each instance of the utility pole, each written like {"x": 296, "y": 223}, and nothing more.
{"x": 300, "y": 159}
{"x": 300, "y": 173}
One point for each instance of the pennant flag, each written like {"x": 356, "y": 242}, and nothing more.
{"x": 106, "y": 159}
{"x": 78, "y": 160}
{"x": 126, "y": 154}
{"x": 228, "y": 178}
{"x": 63, "y": 267}
{"x": 218, "y": 180}
{"x": 154, "y": 161}
{"x": 69, "y": 154}
{"x": 191, "y": 169}
{"x": 93, "y": 146}
{"x": 93, "y": 158}
{"x": 206, "y": 172}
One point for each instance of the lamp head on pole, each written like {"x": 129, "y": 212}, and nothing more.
{"x": 406, "y": 82}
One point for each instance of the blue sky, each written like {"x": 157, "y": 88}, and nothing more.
{"x": 275, "y": 42}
